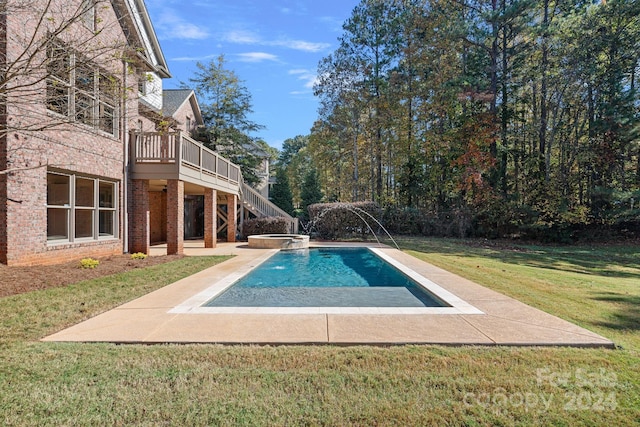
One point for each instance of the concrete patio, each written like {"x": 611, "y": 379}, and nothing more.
{"x": 149, "y": 319}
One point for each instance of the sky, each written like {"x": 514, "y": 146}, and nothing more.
{"x": 274, "y": 47}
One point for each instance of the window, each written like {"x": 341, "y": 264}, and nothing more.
{"x": 142, "y": 85}
{"x": 108, "y": 91}
{"x": 78, "y": 90}
{"x": 85, "y": 203}
{"x": 107, "y": 209}
{"x": 89, "y": 14}
{"x": 58, "y": 207}
{"x": 58, "y": 84}
{"x": 80, "y": 208}
{"x": 188, "y": 124}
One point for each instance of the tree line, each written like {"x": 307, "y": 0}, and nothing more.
{"x": 498, "y": 115}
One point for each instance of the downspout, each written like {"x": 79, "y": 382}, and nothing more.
{"x": 125, "y": 171}
{"x": 241, "y": 200}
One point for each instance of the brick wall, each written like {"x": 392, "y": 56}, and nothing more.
{"x": 139, "y": 236}
{"x": 210, "y": 217}
{"x": 3, "y": 218}
{"x": 25, "y": 226}
{"x": 158, "y": 216}
{"x": 69, "y": 252}
{"x": 3, "y": 150}
{"x": 175, "y": 216}
{"x": 59, "y": 146}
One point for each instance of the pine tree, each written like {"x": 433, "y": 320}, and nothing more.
{"x": 311, "y": 191}
{"x": 226, "y": 106}
{"x": 281, "y": 192}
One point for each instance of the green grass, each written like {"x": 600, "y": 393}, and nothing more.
{"x": 98, "y": 384}
{"x": 596, "y": 287}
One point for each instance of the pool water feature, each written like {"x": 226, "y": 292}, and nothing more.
{"x": 326, "y": 277}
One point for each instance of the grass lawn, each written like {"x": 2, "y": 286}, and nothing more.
{"x": 97, "y": 384}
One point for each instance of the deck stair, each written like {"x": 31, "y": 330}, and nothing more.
{"x": 261, "y": 207}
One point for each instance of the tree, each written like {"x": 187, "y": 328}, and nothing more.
{"x": 311, "y": 191}
{"x": 296, "y": 161}
{"x": 527, "y": 109}
{"x": 340, "y": 128}
{"x": 281, "y": 192}
{"x": 362, "y": 62}
{"x": 290, "y": 148}
{"x": 226, "y": 109}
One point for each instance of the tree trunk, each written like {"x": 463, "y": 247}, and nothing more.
{"x": 505, "y": 112}
{"x": 493, "y": 148}
{"x": 542, "y": 133}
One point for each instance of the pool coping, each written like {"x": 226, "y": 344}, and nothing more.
{"x": 498, "y": 320}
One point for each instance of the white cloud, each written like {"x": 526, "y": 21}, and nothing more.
{"x": 307, "y": 77}
{"x": 172, "y": 26}
{"x": 256, "y": 57}
{"x": 248, "y": 37}
{"x": 186, "y": 30}
{"x": 242, "y": 37}
{"x": 194, "y": 58}
{"x": 301, "y": 45}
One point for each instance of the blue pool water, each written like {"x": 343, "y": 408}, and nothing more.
{"x": 325, "y": 277}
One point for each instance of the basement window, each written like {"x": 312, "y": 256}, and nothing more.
{"x": 80, "y": 208}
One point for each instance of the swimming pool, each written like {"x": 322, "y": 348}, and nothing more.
{"x": 325, "y": 277}
{"x": 355, "y": 281}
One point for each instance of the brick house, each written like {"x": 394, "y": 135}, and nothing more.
{"x": 63, "y": 125}
{"x": 94, "y": 156}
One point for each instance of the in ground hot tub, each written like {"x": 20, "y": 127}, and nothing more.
{"x": 279, "y": 241}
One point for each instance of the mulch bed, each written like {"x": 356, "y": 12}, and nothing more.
{"x": 17, "y": 280}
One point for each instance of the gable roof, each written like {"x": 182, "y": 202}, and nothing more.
{"x": 173, "y": 99}
{"x": 136, "y": 24}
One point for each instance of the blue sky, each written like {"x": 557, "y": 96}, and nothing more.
{"x": 273, "y": 46}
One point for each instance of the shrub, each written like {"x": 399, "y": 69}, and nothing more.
{"x": 270, "y": 225}
{"x": 454, "y": 222}
{"x": 402, "y": 220}
{"x": 89, "y": 263}
{"x": 138, "y": 255}
{"x": 341, "y": 220}
{"x": 412, "y": 221}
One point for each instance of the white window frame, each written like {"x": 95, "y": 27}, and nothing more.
{"x": 102, "y": 107}
{"x": 72, "y": 208}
